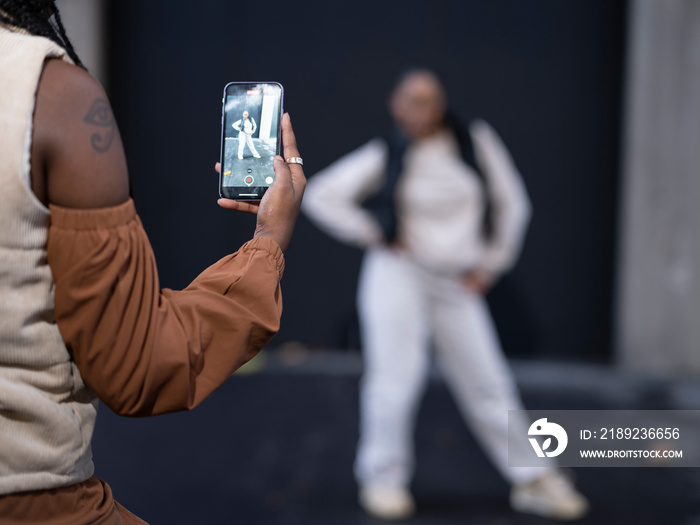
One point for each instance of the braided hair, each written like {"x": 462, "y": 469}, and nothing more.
{"x": 40, "y": 18}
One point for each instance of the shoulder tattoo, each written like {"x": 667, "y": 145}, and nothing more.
{"x": 100, "y": 115}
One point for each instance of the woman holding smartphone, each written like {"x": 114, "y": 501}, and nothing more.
{"x": 82, "y": 316}
{"x": 447, "y": 215}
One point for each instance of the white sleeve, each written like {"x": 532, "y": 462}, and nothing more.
{"x": 511, "y": 206}
{"x": 237, "y": 125}
{"x": 255, "y": 126}
{"x": 333, "y": 196}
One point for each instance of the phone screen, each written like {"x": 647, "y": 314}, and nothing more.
{"x": 250, "y": 138}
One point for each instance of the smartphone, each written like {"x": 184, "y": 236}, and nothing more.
{"x": 251, "y": 136}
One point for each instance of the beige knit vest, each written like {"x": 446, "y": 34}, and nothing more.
{"x": 47, "y": 415}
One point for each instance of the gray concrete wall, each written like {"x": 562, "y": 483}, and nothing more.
{"x": 658, "y": 317}
{"x": 84, "y": 23}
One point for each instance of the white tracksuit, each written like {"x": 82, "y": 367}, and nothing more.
{"x": 408, "y": 295}
{"x": 244, "y": 135}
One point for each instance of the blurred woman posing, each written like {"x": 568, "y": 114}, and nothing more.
{"x": 445, "y": 214}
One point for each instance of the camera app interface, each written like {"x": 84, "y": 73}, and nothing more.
{"x": 251, "y": 128}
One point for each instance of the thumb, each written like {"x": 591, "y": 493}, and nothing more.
{"x": 282, "y": 172}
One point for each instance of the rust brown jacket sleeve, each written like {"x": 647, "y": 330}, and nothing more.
{"x": 144, "y": 350}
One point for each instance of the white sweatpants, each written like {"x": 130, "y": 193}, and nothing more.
{"x": 401, "y": 306}
{"x": 243, "y": 139}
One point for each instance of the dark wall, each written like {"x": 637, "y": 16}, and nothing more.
{"x": 546, "y": 74}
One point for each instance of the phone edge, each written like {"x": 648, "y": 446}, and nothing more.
{"x": 221, "y": 149}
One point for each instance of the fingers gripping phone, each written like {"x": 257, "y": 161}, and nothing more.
{"x": 251, "y": 119}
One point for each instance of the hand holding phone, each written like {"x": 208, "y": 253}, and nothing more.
{"x": 250, "y": 138}
{"x": 279, "y": 208}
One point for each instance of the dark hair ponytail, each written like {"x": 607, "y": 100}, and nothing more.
{"x": 466, "y": 149}
{"x": 383, "y": 203}
{"x": 35, "y": 17}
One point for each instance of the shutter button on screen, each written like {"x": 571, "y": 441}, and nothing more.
{"x": 248, "y": 180}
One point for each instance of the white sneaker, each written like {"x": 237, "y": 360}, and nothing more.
{"x": 551, "y": 496}
{"x": 240, "y": 157}
{"x": 256, "y": 155}
{"x": 387, "y": 503}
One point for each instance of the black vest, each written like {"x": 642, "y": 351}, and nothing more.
{"x": 383, "y": 203}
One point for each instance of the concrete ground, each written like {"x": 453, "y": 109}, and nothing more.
{"x": 259, "y": 169}
{"x": 275, "y": 445}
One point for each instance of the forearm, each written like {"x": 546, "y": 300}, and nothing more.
{"x": 142, "y": 350}
{"x": 504, "y": 246}
{"x": 346, "y": 221}
{"x": 334, "y": 196}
